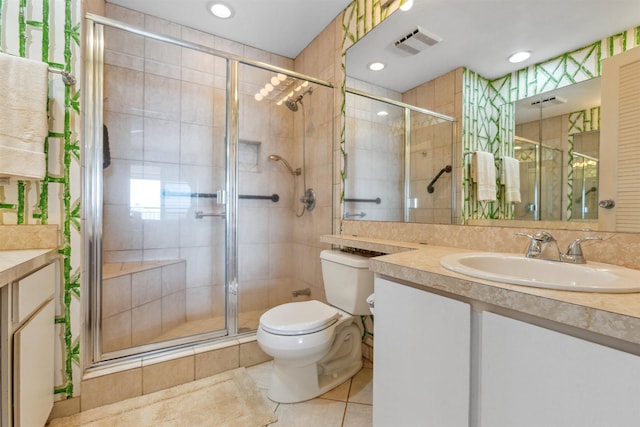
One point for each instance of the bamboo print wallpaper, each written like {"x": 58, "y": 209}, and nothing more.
{"x": 49, "y": 31}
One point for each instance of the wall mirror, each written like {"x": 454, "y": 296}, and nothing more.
{"x": 557, "y": 143}
{"x": 559, "y": 173}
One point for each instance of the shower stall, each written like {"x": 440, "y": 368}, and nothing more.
{"x": 190, "y": 219}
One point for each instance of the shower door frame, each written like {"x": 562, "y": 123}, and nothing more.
{"x": 92, "y": 195}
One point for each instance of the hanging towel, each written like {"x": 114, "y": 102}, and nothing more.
{"x": 510, "y": 177}
{"x": 23, "y": 117}
{"x": 483, "y": 173}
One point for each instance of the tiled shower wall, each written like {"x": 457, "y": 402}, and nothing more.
{"x": 177, "y": 86}
{"x": 432, "y": 145}
{"x": 375, "y": 153}
{"x": 165, "y": 113}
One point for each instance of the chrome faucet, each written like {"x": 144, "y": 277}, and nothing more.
{"x": 544, "y": 246}
{"x": 574, "y": 251}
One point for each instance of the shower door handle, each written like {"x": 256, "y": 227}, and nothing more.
{"x": 200, "y": 214}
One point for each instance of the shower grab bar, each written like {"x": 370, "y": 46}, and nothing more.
{"x": 200, "y": 214}
{"x": 348, "y": 215}
{"x": 274, "y": 197}
{"x": 377, "y": 200}
{"x": 446, "y": 169}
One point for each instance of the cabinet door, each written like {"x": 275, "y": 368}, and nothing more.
{"x": 421, "y": 358}
{"x": 532, "y": 376}
{"x": 33, "y": 368}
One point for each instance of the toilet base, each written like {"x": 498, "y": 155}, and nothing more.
{"x": 290, "y": 384}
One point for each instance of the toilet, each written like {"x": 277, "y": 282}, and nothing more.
{"x": 316, "y": 346}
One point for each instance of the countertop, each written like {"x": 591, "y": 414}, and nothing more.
{"x": 15, "y": 264}
{"x": 610, "y": 315}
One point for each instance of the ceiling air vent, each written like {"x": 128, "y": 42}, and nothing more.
{"x": 548, "y": 101}
{"x": 416, "y": 41}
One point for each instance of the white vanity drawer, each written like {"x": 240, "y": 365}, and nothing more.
{"x": 32, "y": 291}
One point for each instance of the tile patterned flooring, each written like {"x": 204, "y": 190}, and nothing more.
{"x": 348, "y": 405}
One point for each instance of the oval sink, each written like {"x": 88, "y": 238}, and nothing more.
{"x": 520, "y": 270}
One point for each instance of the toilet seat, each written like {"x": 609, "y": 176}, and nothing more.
{"x": 299, "y": 318}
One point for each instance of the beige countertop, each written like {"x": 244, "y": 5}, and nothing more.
{"x": 15, "y": 264}
{"x": 611, "y": 315}
{"x": 25, "y": 248}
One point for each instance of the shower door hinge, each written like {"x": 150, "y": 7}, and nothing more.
{"x": 221, "y": 197}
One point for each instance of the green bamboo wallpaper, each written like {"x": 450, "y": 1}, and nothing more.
{"x": 49, "y": 31}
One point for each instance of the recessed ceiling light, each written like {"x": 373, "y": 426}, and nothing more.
{"x": 220, "y": 10}
{"x": 382, "y": 113}
{"x": 519, "y": 57}
{"x": 376, "y": 66}
{"x": 408, "y": 4}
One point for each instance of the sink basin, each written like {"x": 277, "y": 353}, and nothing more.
{"x": 520, "y": 270}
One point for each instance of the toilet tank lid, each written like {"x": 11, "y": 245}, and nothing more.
{"x": 345, "y": 258}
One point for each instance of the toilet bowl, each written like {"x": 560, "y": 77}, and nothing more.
{"x": 317, "y": 346}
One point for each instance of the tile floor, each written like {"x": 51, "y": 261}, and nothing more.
{"x": 348, "y": 405}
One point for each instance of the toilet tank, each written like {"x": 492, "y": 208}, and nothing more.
{"x": 347, "y": 281}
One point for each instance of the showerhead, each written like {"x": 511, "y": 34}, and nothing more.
{"x": 276, "y": 158}
{"x": 292, "y": 104}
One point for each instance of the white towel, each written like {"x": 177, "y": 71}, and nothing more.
{"x": 483, "y": 173}
{"x": 510, "y": 177}
{"x": 23, "y": 117}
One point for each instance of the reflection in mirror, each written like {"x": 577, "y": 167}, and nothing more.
{"x": 486, "y": 92}
{"x": 556, "y": 141}
{"x": 585, "y": 163}
{"x": 398, "y": 161}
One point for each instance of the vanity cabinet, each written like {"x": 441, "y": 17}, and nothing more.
{"x": 534, "y": 376}
{"x": 27, "y": 348}
{"x": 440, "y": 361}
{"x": 421, "y": 358}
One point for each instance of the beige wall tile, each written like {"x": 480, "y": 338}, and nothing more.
{"x": 216, "y": 361}
{"x": 146, "y": 322}
{"x": 65, "y": 408}
{"x": 116, "y": 331}
{"x": 160, "y": 376}
{"x": 110, "y": 388}
{"x": 251, "y": 354}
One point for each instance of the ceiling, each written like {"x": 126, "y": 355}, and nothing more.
{"x": 478, "y": 34}
{"x": 284, "y": 27}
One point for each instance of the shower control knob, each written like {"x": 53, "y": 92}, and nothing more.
{"x": 607, "y": 204}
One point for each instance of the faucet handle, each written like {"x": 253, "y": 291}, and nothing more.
{"x": 574, "y": 250}
{"x": 544, "y": 236}
{"x": 524, "y": 234}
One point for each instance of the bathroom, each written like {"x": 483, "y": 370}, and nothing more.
{"x": 321, "y": 60}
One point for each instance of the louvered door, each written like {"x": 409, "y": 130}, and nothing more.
{"x": 620, "y": 142}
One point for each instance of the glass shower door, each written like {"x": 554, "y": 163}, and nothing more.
{"x": 163, "y": 234}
